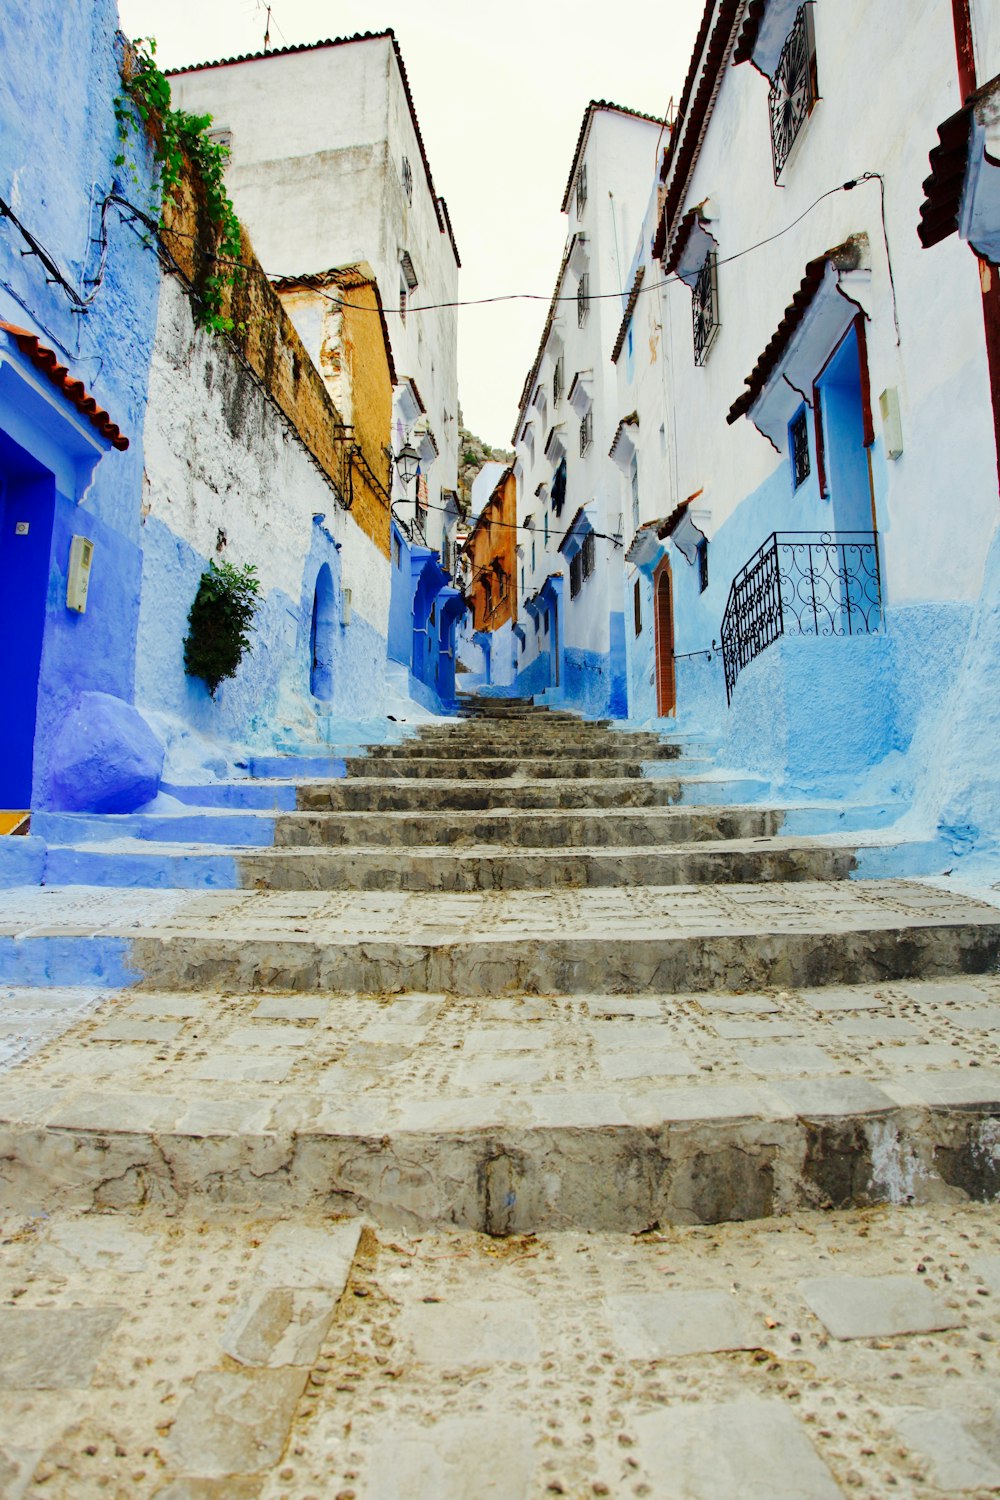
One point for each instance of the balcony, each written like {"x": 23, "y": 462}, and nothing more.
{"x": 801, "y": 583}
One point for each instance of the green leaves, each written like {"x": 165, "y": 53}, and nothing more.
{"x": 177, "y": 132}
{"x": 220, "y": 621}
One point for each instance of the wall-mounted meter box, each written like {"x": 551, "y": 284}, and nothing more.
{"x": 892, "y": 427}
{"x": 81, "y": 557}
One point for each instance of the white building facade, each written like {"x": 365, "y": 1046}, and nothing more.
{"x": 328, "y": 169}
{"x": 804, "y": 393}
{"x": 570, "y": 630}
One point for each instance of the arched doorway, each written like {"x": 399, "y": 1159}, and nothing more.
{"x": 321, "y": 636}
{"x": 666, "y": 680}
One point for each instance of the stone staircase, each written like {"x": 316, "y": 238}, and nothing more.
{"x": 524, "y": 976}
{"x": 502, "y": 948}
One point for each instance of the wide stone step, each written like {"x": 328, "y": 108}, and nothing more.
{"x": 495, "y": 767}
{"x": 501, "y": 869}
{"x": 528, "y": 828}
{"x": 681, "y": 939}
{"x": 593, "y": 1111}
{"x": 617, "y": 749}
{"x": 400, "y": 794}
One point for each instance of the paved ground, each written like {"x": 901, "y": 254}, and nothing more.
{"x": 239, "y": 1179}
{"x": 146, "y": 1354}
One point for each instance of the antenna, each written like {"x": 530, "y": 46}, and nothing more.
{"x": 267, "y": 30}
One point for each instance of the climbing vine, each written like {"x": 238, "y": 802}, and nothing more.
{"x": 175, "y": 134}
{"x": 220, "y": 621}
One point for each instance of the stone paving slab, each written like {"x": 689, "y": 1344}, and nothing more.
{"x": 455, "y": 1366}
{"x": 502, "y": 1112}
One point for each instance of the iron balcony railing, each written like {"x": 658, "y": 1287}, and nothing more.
{"x": 801, "y": 583}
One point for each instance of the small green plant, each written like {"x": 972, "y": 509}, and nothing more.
{"x": 220, "y": 621}
{"x": 174, "y": 133}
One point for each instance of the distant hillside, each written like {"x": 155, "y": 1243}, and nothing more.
{"x": 472, "y": 454}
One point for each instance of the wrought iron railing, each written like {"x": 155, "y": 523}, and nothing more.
{"x": 801, "y": 583}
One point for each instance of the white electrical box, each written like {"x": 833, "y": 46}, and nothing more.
{"x": 81, "y": 557}
{"x": 892, "y": 427}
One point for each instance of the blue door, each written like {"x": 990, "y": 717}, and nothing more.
{"x": 27, "y": 508}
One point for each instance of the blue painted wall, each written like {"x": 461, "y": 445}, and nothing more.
{"x": 58, "y": 143}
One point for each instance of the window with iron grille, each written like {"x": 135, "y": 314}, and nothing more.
{"x": 583, "y": 299}
{"x": 586, "y": 431}
{"x": 705, "y": 308}
{"x": 404, "y": 293}
{"x": 637, "y": 606}
{"x": 487, "y": 597}
{"x": 575, "y": 574}
{"x": 798, "y": 444}
{"x": 793, "y": 90}
{"x": 557, "y": 382}
{"x": 634, "y": 479}
{"x": 407, "y": 179}
{"x": 703, "y": 565}
{"x": 581, "y": 191}
{"x": 587, "y": 552}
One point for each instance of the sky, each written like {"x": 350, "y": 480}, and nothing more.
{"x": 500, "y": 93}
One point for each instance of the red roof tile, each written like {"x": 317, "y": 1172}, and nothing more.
{"x": 845, "y": 257}
{"x": 743, "y": 51}
{"x": 943, "y": 188}
{"x": 692, "y": 116}
{"x": 75, "y": 391}
{"x": 633, "y": 298}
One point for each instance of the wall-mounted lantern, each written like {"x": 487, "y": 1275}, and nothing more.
{"x": 407, "y": 463}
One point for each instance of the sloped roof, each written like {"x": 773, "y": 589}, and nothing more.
{"x": 633, "y": 298}
{"x": 75, "y": 391}
{"x": 344, "y": 277}
{"x": 845, "y": 257}
{"x": 581, "y": 141}
{"x": 440, "y": 207}
{"x": 943, "y": 188}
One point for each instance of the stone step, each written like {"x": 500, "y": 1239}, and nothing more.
{"x": 492, "y": 768}
{"x": 575, "y": 749}
{"x": 527, "y": 828}
{"x": 372, "y": 868}
{"x": 680, "y": 938}
{"x": 681, "y": 1107}
{"x": 405, "y": 793}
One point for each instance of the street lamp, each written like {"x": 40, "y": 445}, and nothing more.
{"x": 407, "y": 463}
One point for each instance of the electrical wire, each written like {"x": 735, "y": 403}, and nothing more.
{"x": 504, "y": 525}
{"x": 35, "y": 247}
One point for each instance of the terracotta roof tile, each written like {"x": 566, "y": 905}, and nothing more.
{"x": 846, "y": 257}
{"x": 75, "y": 391}
{"x": 633, "y": 298}
{"x": 684, "y": 228}
{"x": 747, "y": 40}
{"x": 581, "y": 140}
{"x": 692, "y": 116}
{"x": 943, "y": 188}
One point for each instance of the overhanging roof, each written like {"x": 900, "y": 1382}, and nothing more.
{"x": 594, "y": 107}
{"x": 47, "y": 361}
{"x": 633, "y": 298}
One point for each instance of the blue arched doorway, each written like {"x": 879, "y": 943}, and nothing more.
{"x": 321, "y": 636}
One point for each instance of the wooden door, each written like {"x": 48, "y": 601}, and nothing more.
{"x": 666, "y": 680}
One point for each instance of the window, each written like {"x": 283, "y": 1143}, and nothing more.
{"x": 581, "y": 190}
{"x": 703, "y": 565}
{"x": 404, "y": 293}
{"x": 586, "y": 432}
{"x": 407, "y": 179}
{"x": 487, "y": 597}
{"x": 793, "y": 89}
{"x": 634, "y": 479}
{"x": 705, "y": 308}
{"x": 575, "y": 574}
{"x": 587, "y": 552}
{"x": 798, "y": 447}
{"x": 396, "y": 550}
{"x": 532, "y": 554}
{"x": 522, "y": 593}
{"x": 559, "y": 488}
{"x": 637, "y": 606}
{"x": 583, "y": 299}
{"x": 558, "y": 381}
{"x": 546, "y": 528}
{"x": 433, "y": 614}
{"x": 221, "y": 135}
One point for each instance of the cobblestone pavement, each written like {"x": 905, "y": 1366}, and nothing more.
{"x": 145, "y": 1354}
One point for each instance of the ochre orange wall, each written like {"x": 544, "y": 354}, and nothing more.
{"x": 494, "y": 539}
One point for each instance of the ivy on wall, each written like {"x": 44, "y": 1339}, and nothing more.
{"x": 176, "y": 134}
{"x": 220, "y": 621}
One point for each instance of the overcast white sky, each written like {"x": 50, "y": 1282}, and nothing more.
{"x": 500, "y": 93}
